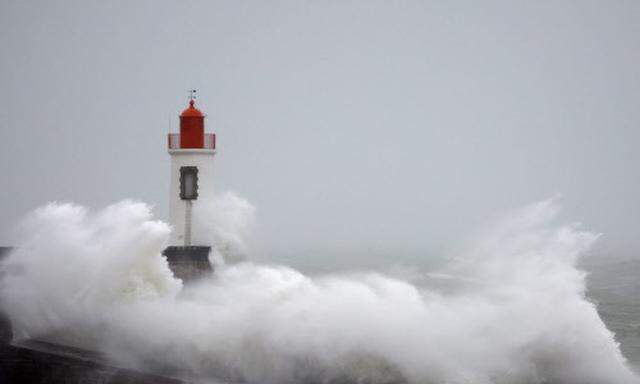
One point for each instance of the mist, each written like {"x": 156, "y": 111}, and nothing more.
{"x": 355, "y": 128}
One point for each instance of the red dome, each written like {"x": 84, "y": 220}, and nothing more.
{"x": 191, "y": 111}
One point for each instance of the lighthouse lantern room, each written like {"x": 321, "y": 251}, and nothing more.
{"x": 192, "y": 152}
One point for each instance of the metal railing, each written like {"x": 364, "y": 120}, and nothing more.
{"x": 209, "y": 141}
{"x": 173, "y": 141}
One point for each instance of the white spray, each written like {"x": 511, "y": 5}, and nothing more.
{"x": 518, "y": 313}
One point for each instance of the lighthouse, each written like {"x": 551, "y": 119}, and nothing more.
{"x": 192, "y": 154}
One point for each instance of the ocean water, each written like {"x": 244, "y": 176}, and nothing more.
{"x": 614, "y": 285}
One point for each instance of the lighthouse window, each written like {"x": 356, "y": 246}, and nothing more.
{"x": 188, "y": 183}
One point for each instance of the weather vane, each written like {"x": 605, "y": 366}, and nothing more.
{"x": 192, "y": 94}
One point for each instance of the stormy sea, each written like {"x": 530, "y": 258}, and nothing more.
{"x": 614, "y": 285}
{"x": 523, "y": 300}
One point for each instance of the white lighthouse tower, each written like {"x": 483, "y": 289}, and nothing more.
{"x": 192, "y": 152}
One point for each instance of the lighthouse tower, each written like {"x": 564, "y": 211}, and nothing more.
{"x": 192, "y": 152}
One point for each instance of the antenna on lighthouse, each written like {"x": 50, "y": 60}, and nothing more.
{"x": 192, "y": 94}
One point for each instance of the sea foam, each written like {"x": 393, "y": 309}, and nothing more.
{"x": 517, "y": 313}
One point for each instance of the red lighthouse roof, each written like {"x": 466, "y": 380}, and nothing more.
{"x": 191, "y": 127}
{"x": 192, "y": 135}
{"x": 191, "y": 111}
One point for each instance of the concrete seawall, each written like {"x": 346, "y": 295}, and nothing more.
{"x": 39, "y": 363}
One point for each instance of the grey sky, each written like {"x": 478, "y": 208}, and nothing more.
{"x": 358, "y": 123}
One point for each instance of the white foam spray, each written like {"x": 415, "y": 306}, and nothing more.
{"x": 225, "y": 220}
{"x": 518, "y": 313}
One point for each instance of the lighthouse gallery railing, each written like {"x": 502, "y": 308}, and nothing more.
{"x": 173, "y": 141}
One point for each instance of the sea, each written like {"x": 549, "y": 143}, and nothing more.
{"x": 614, "y": 286}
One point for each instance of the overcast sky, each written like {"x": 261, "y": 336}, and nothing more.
{"x": 346, "y": 123}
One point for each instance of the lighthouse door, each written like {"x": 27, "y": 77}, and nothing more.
{"x": 189, "y": 183}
